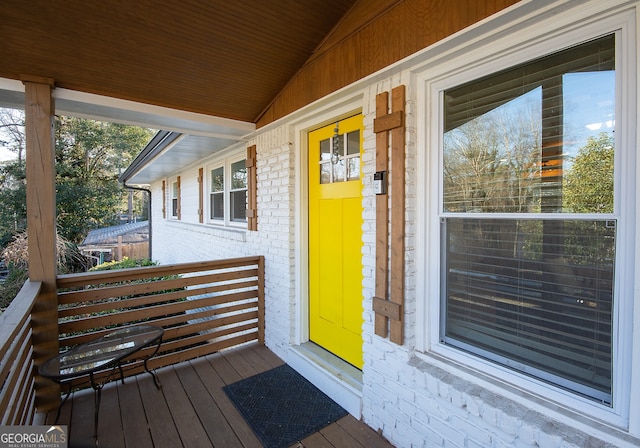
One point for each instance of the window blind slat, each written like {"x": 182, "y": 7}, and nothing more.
{"x": 504, "y": 284}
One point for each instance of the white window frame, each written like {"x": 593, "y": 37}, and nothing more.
{"x": 173, "y": 181}
{"x": 527, "y": 42}
{"x": 225, "y": 163}
{"x": 211, "y": 193}
{"x": 235, "y": 190}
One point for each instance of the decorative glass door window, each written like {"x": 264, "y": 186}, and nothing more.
{"x": 340, "y": 157}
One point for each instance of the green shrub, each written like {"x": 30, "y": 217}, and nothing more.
{"x": 16, "y": 277}
{"x": 125, "y": 263}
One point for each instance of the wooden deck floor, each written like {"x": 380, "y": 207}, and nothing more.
{"x": 191, "y": 410}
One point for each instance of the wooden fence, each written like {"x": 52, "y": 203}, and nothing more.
{"x": 203, "y": 307}
{"x": 17, "y": 381}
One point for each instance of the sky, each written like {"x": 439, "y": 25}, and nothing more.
{"x": 589, "y": 105}
{"x": 5, "y": 154}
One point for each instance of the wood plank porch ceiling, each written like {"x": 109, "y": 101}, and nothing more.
{"x": 223, "y": 58}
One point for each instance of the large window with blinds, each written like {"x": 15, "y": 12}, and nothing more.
{"x": 528, "y": 222}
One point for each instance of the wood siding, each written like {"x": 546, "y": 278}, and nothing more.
{"x": 253, "y": 61}
{"x": 373, "y": 35}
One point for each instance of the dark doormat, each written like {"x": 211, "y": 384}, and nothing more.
{"x": 283, "y": 407}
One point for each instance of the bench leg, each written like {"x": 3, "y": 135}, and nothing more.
{"x": 155, "y": 377}
{"x": 61, "y": 404}
{"x": 97, "y": 389}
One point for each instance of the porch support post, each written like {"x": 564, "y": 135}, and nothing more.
{"x": 41, "y": 227}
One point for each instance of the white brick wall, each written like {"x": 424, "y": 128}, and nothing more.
{"x": 419, "y": 405}
{"x": 416, "y": 404}
{"x": 413, "y": 400}
{"x": 186, "y": 240}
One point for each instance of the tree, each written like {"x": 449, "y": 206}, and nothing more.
{"x": 588, "y": 188}
{"x": 491, "y": 162}
{"x": 89, "y": 157}
{"x": 12, "y": 176}
{"x": 589, "y": 183}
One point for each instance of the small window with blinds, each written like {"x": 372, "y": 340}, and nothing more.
{"x": 238, "y": 191}
{"x": 175, "y": 199}
{"x": 216, "y": 194}
{"x": 528, "y": 224}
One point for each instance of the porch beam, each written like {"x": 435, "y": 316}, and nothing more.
{"x": 41, "y": 226}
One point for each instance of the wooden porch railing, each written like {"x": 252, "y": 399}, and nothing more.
{"x": 17, "y": 380}
{"x": 203, "y": 307}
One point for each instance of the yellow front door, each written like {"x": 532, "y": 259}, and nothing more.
{"x": 335, "y": 239}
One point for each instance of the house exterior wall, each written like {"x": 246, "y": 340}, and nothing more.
{"x": 184, "y": 240}
{"x": 415, "y": 397}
